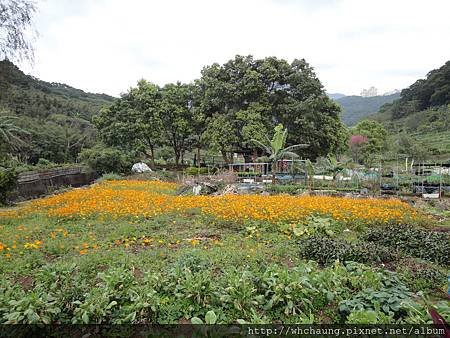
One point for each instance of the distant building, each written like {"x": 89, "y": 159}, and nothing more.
{"x": 372, "y": 91}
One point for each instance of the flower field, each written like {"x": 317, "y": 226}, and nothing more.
{"x": 152, "y": 198}
{"x": 133, "y": 251}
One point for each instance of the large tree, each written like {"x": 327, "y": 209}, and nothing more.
{"x": 149, "y": 116}
{"x": 375, "y": 143}
{"x": 177, "y": 117}
{"x": 253, "y": 96}
{"x": 16, "y": 33}
{"x": 133, "y": 121}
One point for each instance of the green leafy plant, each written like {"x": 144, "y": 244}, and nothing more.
{"x": 194, "y": 171}
{"x": 109, "y": 177}
{"x": 422, "y": 277}
{"x": 387, "y": 299}
{"x": 118, "y": 298}
{"x": 429, "y": 245}
{"x": 8, "y": 182}
{"x": 31, "y": 308}
{"x": 210, "y": 318}
{"x": 325, "y": 250}
{"x": 368, "y": 317}
{"x": 276, "y": 148}
{"x": 312, "y": 225}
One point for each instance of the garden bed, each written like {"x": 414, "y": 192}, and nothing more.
{"x": 133, "y": 252}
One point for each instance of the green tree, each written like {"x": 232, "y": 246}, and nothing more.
{"x": 220, "y": 136}
{"x": 253, "y": 96}
{"x": 177, "y": 117}
{"x": 133, "y": 122}
{"x": 376, "y": 139}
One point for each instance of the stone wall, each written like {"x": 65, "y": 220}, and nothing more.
{"x": 37, "y": 183}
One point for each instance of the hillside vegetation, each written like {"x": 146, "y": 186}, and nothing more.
{"x": 26, "y": 95}
{"x": 432, "y": 92}
{"x": 56, "y": 116}
{"x": 423, "y": 112}
{"x": 430, "y": 128}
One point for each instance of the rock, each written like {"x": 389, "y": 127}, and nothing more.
{"x": 208, "y": 188}
{"x": 198, "y": 188}
{"x": 230, "y": 189}
{"x": 140, "y": 168}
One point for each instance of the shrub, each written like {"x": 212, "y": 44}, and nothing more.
{"x": 43, "y": 163}
{"x": 325, "y": 250}
{"x": 107, "y": 160}
{"x": 109, "y": 177}
{"x": 429, "y": 245}
{"x": 285, "y": 189}
{"x": 8, "y": 182}
{"x": 196, "y": 171}
{"x": 422, "y": 277}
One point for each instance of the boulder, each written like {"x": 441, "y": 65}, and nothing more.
{"x": 140, "y": 168}
{"x": 230, "y": 189}
{"x": 197, "y": 188}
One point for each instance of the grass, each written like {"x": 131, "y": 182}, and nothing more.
{"x": 181, "y": 264}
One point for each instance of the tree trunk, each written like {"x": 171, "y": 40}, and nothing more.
{"x": 224, "y": 156}
{"x": 247, "y": 158}
{"x": 273, "y": 169}
{"x": 177, "y": 158}
{"x": 152, "y": 156}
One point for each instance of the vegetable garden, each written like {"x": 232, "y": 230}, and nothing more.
{"x": 130, "y": 251}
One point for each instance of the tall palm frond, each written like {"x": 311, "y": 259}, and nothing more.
{"x": 275, "y": 148}
{"x": 10, "y": 133}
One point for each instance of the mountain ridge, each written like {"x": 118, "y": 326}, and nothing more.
{"x": 356, "y": 108}
{"x": 17, "y": 88}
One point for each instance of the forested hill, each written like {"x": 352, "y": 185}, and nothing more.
{"x": 356, "y": 108}
{"x": 432, "y": 92}
{"x": 55, "y": 117}
{"x": 25, "y": 95}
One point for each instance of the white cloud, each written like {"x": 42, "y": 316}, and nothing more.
{"x": 107, "y": 45}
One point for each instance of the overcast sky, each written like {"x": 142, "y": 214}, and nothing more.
{"x": 107, "y": 45}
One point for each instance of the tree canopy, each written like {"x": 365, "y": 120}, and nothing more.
{"x": 223, "y": 111}
{"x": 369, "y": 139}
{"x": 250, "y": 97}
{"x": 228, "y": 107}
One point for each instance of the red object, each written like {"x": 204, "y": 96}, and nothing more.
{"x": 438, "y": 320}
{"x": 357, "y": 140}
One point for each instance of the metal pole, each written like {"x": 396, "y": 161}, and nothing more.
{"x": 397, "y": 188}
{"x": 379, "y": 172}
{"x": 423, "y": 170}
